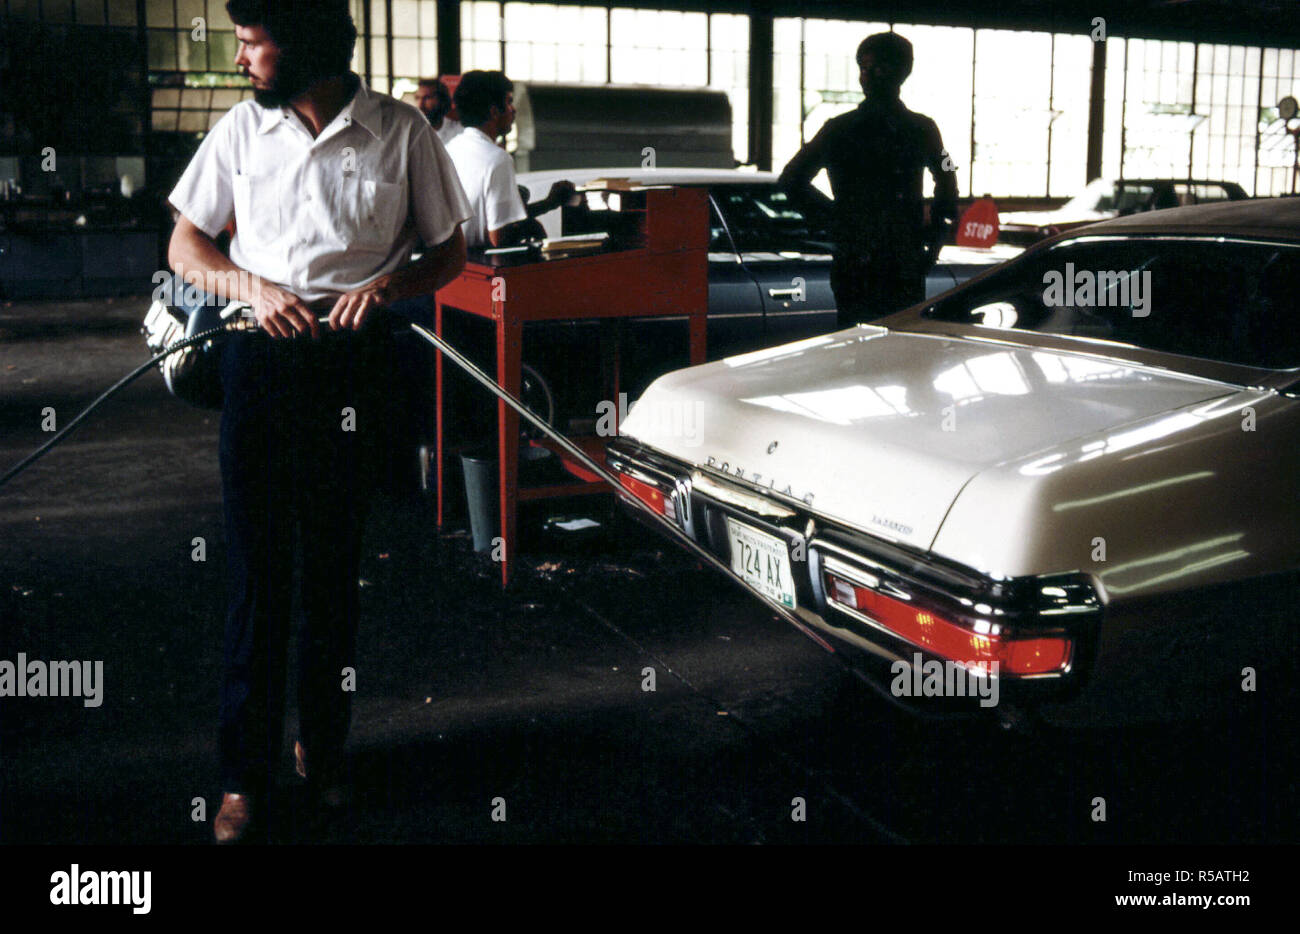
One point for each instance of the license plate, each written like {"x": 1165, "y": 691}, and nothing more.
{"x": 762, "y": 560}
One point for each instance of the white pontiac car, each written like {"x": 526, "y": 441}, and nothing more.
{"x": 1081, "y": 466}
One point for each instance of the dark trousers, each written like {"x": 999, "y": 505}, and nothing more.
{"x": 294, "y": 478}
{"x": 869, "y": 289}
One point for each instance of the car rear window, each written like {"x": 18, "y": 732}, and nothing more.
{"x": 1204, "y": 193}
{"x": 1232, "y": 301}
{"x": 1130, "y": 198}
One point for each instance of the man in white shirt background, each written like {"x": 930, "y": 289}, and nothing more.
{"x": 486, "y": 103}
{"x": 434, "y": 101}
{"x": 331, "y": 187}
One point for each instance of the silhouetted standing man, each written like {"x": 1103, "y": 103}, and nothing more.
{"x": 875, "y": 156}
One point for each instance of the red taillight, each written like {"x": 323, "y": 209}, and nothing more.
{"x": 923, "y": 628}
{"x": 1036, "y": 656}
{"x": 651, "y": 495}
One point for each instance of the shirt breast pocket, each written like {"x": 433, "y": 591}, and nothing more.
{"x": 257, "y": 208}
{"x": 371, "y": 213}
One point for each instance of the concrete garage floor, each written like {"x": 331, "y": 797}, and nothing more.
{"x": 466, "y": 693}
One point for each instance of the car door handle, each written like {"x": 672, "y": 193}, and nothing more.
{"x": 784, "y": 293}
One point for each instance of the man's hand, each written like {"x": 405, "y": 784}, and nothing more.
{"x": 352, "y": 308}
{"x": 942, "y": 219}
{"x": 932, "y": 254}
{"x": 281, "y": 313}
{"x": 560, "y": 193}
{"x": 557, "y": 197}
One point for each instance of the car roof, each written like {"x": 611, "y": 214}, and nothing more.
{"x": 1258, "y": 217}
{"x": 1176, "y": 181}
{"x": 662, "y": 176}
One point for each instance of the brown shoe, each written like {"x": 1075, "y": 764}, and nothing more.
{"x": 233, "y": 818}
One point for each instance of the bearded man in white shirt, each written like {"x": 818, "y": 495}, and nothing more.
{"x": 485, "y": 101}
{"x": 434, "y": 101}
{"x": 330, "y": 187}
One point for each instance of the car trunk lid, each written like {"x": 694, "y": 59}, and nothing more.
{"x": 881, "y": 430}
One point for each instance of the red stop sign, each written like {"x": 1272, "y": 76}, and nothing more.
{"x": 979, "y": 224}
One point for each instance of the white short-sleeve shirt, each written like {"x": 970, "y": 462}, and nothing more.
{"x": 487, "y": 173}
{"x": 327, "y": 215}
{"x": 449, "y": 130}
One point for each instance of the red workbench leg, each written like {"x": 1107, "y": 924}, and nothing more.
{"x": 509, "y": 354}
{"x": 699, "y": 336}
{"x": 618, "y": 370}
{"x": 609, "y": 338}
{"x": 437, "y": 382}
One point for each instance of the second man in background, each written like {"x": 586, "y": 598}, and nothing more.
{"x": 485, "y": 101}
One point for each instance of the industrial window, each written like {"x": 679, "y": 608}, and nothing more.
{"x": 1204, "y": 110}
{"x": 729, "y": 71}
{"x": 1067, "y": 163}
{"x": 1112, "y": 140}
{"x": 377, "y": 47}
{"x": 546, "y": 42}
{"x": 662, "y": 47}
{"x": 598, "y": 45}
{"x": 1013, "y": 116}
{"x": 190, "y": 36}
{"x": 122, "y": 13}
{"x": 1279, "y": 78}
{"x": 415, "y": 45}
{"x": 56, "y": 11}
{"x": 193, "y": 109}
{"x": 192, "y": 50}
{"x": 94, "y": 13}
{"x": 787, "y": 90}
{"x": 1159, "y": 109}
{"x": 1227, "y": 91}
{"x": 361, "y": 52}
{"x": 160, "y": 13}
{"x": 940, "y": 87}
{"x": 481, "y": 26}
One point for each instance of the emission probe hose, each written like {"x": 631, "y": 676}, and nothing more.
{"x": 125, "y": 381}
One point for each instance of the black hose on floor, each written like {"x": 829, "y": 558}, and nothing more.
{"x": 122, "y": 383}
